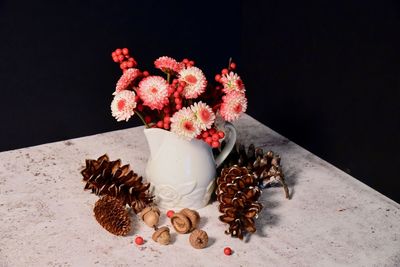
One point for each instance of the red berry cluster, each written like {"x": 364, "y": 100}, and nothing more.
{"x": 212, "y": 137}
{"x": 188, "y": 62}
{"x": 122, "y": 57}
{"x": 232, "y": 66}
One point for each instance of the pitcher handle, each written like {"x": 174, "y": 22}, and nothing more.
{"x": 229, "y": 145}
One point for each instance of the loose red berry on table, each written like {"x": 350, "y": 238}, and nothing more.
{"x": 139, "y": 240}
{"x": 170, "y": 213}
{"x": 228, "y": 251}
{"x": 225, "y": 71}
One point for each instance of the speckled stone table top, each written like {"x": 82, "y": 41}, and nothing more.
{"x": 46, "y": 219}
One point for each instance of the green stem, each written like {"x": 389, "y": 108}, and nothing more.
{"x": 142, "y": 119}
{"x": 168, "y": 77}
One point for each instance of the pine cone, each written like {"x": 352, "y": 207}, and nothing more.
{"x": 112, "y": 215}
{"x": 265, "y": 166}
{"x": 105, "y": 177}
{"x": 237, "y": 192}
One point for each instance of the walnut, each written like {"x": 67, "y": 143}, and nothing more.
{"x": 198, "y": 239}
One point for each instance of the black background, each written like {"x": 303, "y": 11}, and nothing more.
{"x": 326, "y": 75}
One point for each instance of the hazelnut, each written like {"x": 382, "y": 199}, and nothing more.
{"x": 198, "y": 239}
{"x": 181, "y": 223}
{"x": 150, "y": 216}
{"x": 162, "y": 236}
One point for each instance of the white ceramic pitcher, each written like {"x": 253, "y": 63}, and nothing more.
{"x": 182, "y": 173}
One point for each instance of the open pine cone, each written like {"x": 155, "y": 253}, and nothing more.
{"x": 265, "y": 166}
{"x": 105, "y": 177}
{"x": 237, "y": 192}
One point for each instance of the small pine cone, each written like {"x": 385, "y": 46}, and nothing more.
{"x": 238, "y": 194}
{"x": 105, "y": 177}
{"x": 112, "y": 215}
{"x": 198, "y": 239}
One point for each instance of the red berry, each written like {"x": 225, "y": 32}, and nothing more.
{"x": 145, "y": 73}
{"x": 182, "y": 83}
{"x": 147, "y": 119}
{"x": 171, "y": 90}
{"x": 228, "y": 251}
{"x": 218, "y": 87}
{"x": 118, "y": 51}
{"x": 131, "y": 59}
{"x": 215, "y": 137}
{"x": 167, "y": 119}
{"x": 221, "y": 134}
{"x": 121, "y": 58}
{"x": 115, "y": 59}
{"x": 140, "y": 107}
{"x": 129, "y": 64}
{"x": 160, "y": 124}
{"x": 205, "y": 134}
{"x": 122, "y": 66}
{"x": 199, "y": 137}
{"x": 167, "y": 110}
{"x": 166, "y": 126}
{"x": 208, "y": 140}
{"x": 217, "y": 77}
{"x": 179, "y": 89}
{"x": 185, "y": 61}
{"x": 212, "y": 131}
{"x": 225, "y": 71}
{"x": 176, "y": 94}
{"x": 178, "y": 107}
{"x": 232, "y": 65}
{"x": 178, "y": 101}
{"x": 170, "y": 213}
{"x": 215, "y": 144}
{"x": 113, "y": 54}
{"x": 139, "y": 240}
{"x": 191, "y": 63}
{"x": 174, "y": 81}
{"x": 125, "y": 51}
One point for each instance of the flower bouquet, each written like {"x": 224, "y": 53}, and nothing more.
{"x": 182, "y": 101}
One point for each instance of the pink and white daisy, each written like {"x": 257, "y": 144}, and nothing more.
{"x": 168, "y": 64}
{"x": 183, "y": 123}
{"x": 233, "y": 105}
{"x": 232, "y": 82}
{"x": 205, "y": 117}
{"x": 126, "y": 80}
{"x": 153, "y": 90}
{"x": 195, "y": 82}
{"x": 123, "y": 105}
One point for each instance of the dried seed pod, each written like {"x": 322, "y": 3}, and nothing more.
{"x": 198, "y": 239}
{"x": 181, "y": 223}
{"x": 150, "y": 215}
{"x": 162, "y": 235}
{"x": 193, "y": 216}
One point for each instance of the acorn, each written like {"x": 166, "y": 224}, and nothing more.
{"x": 162, "y": 235}
{"x": 198, "y": 239}
{"x": 193, "y": 216}
{"x": 150, "y": 215}
{"x": 181, "y": 223}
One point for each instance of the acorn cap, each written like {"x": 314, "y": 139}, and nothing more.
{"x": 193, "y": 216}
{"x": 181, "y": 223}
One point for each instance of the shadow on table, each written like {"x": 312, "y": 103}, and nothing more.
{"x": 271, "y": 199}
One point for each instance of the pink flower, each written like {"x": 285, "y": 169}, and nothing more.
{"x": 195, "y": 82}
{"x": 123, "y": 105}
{"x": 153, "y": 90}
{"x": 231, "y": 83}
{"x": 168, "y": 64}
{"x": 204, "y": 115}
{"x": 126, "y": 80}
{"x": 233, "y": 105}
{"x": 183, "y": 123}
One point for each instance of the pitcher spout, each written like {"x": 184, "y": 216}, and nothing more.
{"x": 154, "y": 138}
